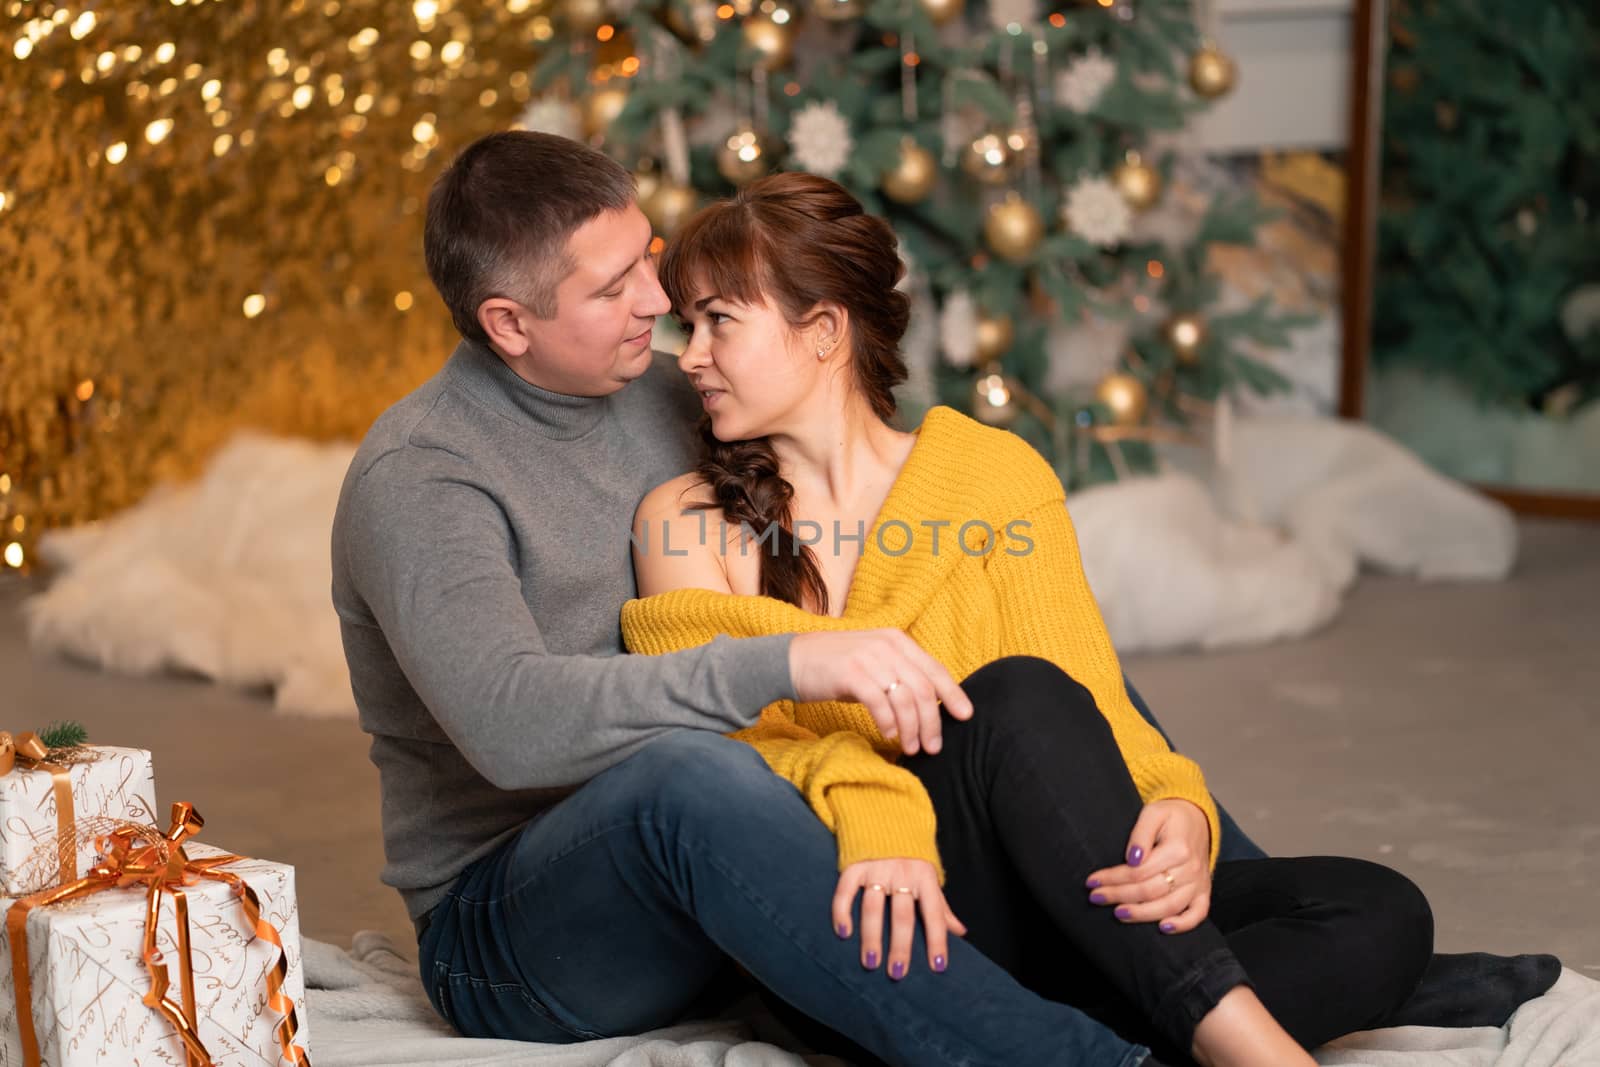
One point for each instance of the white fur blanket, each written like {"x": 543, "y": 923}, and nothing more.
{"x": 228, "y": 578}
{"x": 368, "y": 1008}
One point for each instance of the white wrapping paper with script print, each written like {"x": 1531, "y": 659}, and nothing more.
{"x": 119, "y": 784}
{"x": 89, "y": 980}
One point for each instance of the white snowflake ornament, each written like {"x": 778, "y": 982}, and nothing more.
{"x": 715, "y": 124}
{"x": 1096, "y": 211}
{"x": 1080, "y": 86}
{"x": 551, "y": 114}
{"x": 820, "y": 138}
{"x": 958, "y": 329}
{"x": 1003, "y": 14}
{"x": 910, "y": 279}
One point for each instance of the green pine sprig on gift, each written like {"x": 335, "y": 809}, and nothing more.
{"x": 67, "y": 734}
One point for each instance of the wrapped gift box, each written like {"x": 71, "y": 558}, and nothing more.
{"x": 89, "y": 980}
{"x": 118, "y": 783}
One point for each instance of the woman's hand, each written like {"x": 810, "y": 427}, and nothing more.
{"x": 905, "y": 885}
{"x": 1167, "y": 878}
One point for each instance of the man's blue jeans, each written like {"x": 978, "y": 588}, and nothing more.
{"x": 613, "y": 910}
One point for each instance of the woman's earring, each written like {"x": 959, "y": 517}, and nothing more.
{"x": 823, "y": 350}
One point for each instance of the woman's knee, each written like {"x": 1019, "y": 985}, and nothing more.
{"x": 1410, "y": 918}
{"x": 1392, "y": 923}
{"x": 1033, "y": 693}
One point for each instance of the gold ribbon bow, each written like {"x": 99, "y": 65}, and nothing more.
{"x": 142, "y": 855}
{"x": 36, "y": 756}
{"x": 27, "y": 745}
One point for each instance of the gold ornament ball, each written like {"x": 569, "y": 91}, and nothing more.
{"x": 773, "y": 41}
{"x": 1138, "y": 182}
{"x": 1185, "y": 333}
{"x": 1125, "y": 396}
{"x": 744, "y": 156}
{"x": 913, "y": 176}
{"x": 1013, "y": 229}
{"x": 600, "y": 110}
{"x": 988, "y": 159}
{"x": 994, "y": 399}
{"x": 1212, "y": 73}
{"x": 941, "y": 11}
{"x": 838, "y": 10}
{"x": 668, "y": 206}
{"x": 696, "y": 27}
{"x": 645, "y": 183}
{"x": 994, "y": 336}
{"x": 583, "y": 17}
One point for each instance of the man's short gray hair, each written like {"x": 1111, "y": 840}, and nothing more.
{"x": 500, "y": 215}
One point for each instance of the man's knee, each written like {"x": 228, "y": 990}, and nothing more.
{"x": 691, "y": 751}
{"x": 689, "y": 774}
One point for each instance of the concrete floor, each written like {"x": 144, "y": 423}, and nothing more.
{"x": 1452, "y": 731}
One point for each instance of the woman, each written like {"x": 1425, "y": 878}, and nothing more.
{"x": 1078, "y": 847}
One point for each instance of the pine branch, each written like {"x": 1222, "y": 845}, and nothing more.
{"x": 63, "y": 734}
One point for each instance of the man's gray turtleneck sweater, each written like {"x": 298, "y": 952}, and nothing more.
{"x": 480, "y": 563}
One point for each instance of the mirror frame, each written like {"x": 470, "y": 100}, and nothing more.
{"x": 1369, "y": 32}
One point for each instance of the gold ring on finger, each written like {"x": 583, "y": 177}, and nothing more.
{"x": 1172, "y": 883}
{"x": 875, "y": 888}
{"x": 903, "y": 889}
{"x": 892, "y": 686}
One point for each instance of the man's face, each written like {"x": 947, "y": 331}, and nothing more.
{"x": 599, "y": 339}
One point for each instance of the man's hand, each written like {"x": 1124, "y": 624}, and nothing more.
{"x": 900, "y": 684}
{"x": 905, "y": 886}
{"x": 1167, "y": 878}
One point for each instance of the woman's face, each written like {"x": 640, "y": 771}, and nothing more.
{"x": 755, "y": 373}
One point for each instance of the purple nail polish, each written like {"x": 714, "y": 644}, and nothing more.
{"x": 1167, "y": 928}
{"x": 1123, "y": 912}
{"x": 872, "y": 961}
{"x": 897, "y": 970}
{"x": 939, "y": 964}
{"x": 1097, "y": 898}
{"x": 1135, "y": 856}
{"x": 842, "y": 930}
{"x": 1094, "y": 883}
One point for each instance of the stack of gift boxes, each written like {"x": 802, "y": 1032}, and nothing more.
{"x": 125, "y": 941}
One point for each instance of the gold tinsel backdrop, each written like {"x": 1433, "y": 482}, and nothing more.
{"x": 211, "y": 218}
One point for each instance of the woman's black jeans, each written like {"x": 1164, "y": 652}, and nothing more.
{"x": 1032, "y": 794}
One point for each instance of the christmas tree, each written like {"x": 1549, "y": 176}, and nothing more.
{"x": 1487, "y": 237}
{"x": 1010, "y": 147}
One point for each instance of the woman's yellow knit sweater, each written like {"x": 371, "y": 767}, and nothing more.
{"x": 1025, "y": 595}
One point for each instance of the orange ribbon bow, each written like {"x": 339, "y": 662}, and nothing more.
{"x": 142, "y": 855}
{"x": 27, "y": 745}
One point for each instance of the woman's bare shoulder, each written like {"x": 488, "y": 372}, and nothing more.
{"x": 675, "y": 495}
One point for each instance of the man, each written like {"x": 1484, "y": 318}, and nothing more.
{"x": 580, "y": 848}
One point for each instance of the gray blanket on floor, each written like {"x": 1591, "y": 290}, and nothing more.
{"x": 367, "y": 1008}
